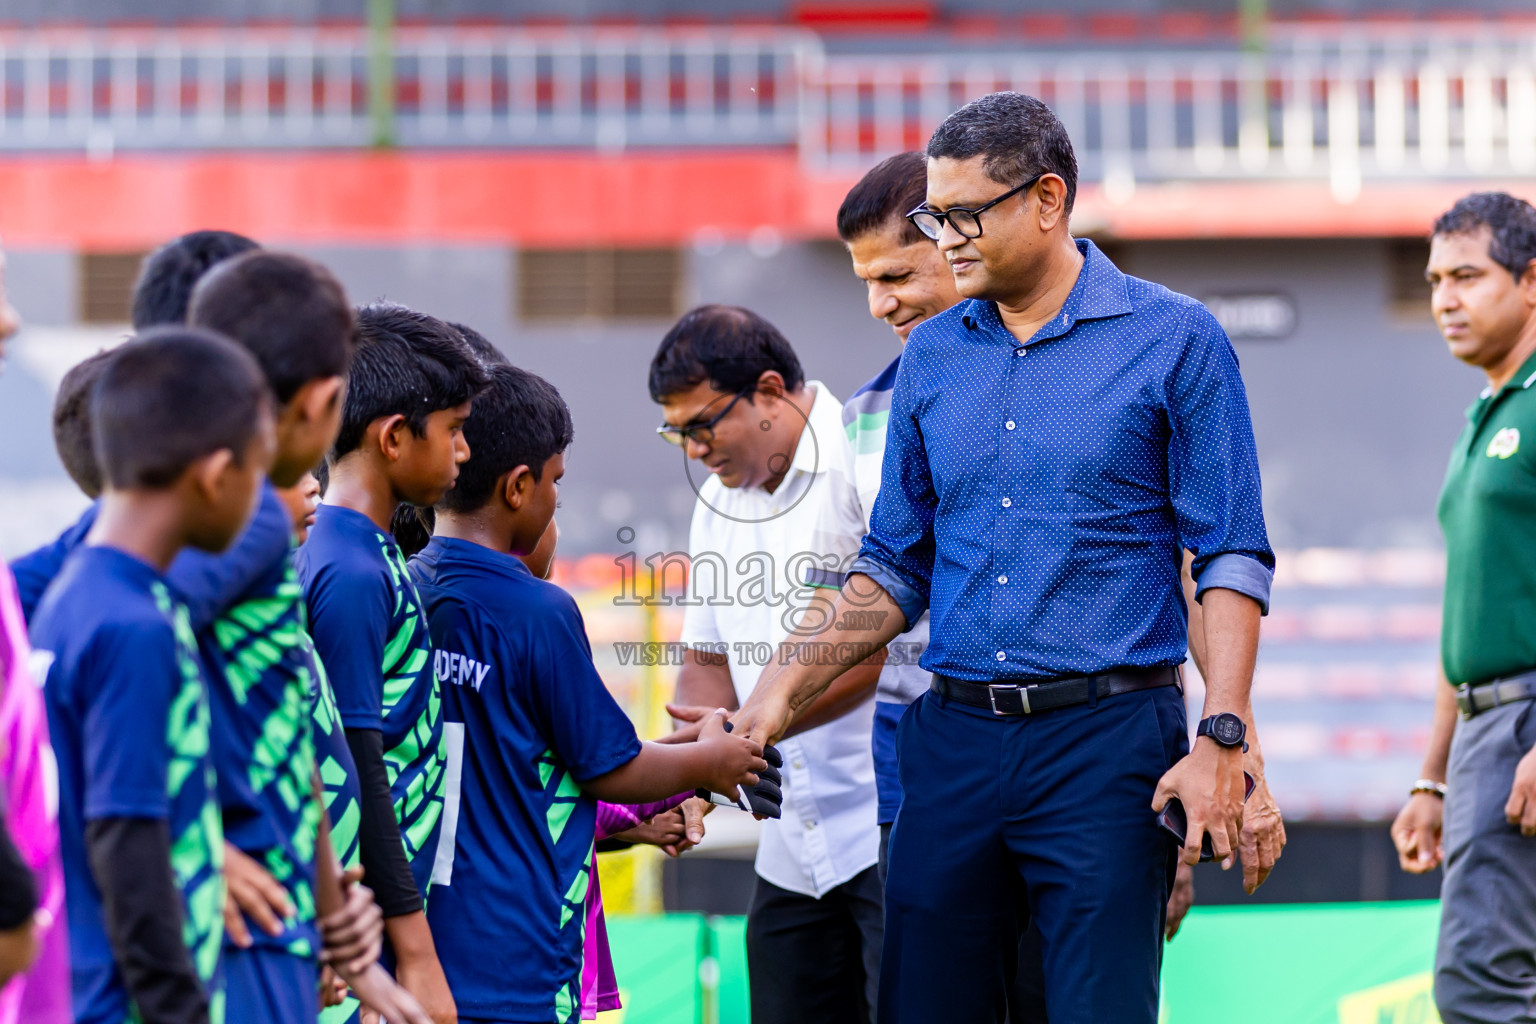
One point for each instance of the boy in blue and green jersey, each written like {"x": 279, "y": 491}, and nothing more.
{"x": 333, "y": 759}
{"x": 186, "y": 436}
{"x": 535, "y": 739}
{"x": 409, "y": 391}
{"x": 293, "y": 316}
{"x": 337, "y": 771}
{"x": 245, "y": 609}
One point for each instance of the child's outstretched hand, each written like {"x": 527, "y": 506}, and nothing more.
{"x": 734, "y": 761}
{"x": 691, "y": 718}
{"x": 382, "y": 994}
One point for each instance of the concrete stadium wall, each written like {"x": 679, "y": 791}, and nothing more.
{"x": 1356, "y": 412}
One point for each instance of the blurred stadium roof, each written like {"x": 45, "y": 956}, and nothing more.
{"x": 766, "y": 120}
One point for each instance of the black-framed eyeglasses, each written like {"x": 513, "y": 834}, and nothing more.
{"x": 703, "y": 433}
{"x": 967, "y": 223}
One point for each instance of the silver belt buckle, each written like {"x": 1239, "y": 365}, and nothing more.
{"x": 1023, "y": 694}
{"x": 1464, "y": 702}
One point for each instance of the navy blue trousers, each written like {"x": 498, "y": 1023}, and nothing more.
{"x": 268, "y": 986}
{"x": 1046, "y": 815}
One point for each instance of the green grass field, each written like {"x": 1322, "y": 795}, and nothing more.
{"x": 1337, "y": 964}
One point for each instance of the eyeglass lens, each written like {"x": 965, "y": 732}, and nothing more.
{"x": 965, "y": 223}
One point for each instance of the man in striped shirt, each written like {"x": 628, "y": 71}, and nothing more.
{"x": 908, "y": 281}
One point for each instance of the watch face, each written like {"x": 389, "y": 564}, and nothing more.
{"x": 1227, "y": 729}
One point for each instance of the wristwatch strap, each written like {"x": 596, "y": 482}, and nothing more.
{"x": 1429, "y": 786}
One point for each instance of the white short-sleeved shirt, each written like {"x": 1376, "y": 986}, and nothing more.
{"x": 753, "y": 553}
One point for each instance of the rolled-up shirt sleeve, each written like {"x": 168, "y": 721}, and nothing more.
{"x": 1213, "y": 466}
{"x": 897, "y": 553}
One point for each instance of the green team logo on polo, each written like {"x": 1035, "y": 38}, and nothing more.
{"x": 1504, "y": 444}
{"x": 419, "y": 756}
{"x": 197, "y": 851}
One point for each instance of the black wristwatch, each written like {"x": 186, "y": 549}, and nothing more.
{"x": 1226, "y": 729}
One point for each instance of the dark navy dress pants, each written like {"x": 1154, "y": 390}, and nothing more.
{"x": 1046, "y": 816}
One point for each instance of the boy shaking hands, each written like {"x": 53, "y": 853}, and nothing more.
{"x": 534, "y": 738}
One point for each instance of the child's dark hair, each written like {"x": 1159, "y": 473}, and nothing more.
{"x": 519, "y": 420}
{"x": 478, "y": 343}
{"x": 73, "y": 437}
{"x": 408, "y": 364}
{"x": 170, "y": 397}
{"x": 289, "y": 312}
{"x": 412, "y": 528}
{"x": 171, "y": 272}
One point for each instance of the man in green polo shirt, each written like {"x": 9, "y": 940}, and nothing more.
{"x": 1474, "y": 809}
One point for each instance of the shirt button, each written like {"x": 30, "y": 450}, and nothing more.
{"x": 1002, "y": 579}
{"x": 1020, "y": 351}
{"x": 1001, "y": 656}
{"x": 799, "y": 764}
{"x": 810, "y": 825}
{"x": 1007, "y": 503}
{"x": 1009, "y": 424}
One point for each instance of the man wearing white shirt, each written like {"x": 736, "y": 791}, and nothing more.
{"x": 777, "y": 523}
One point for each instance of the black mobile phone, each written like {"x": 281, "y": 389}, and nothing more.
{"x": 1175, "y": 823}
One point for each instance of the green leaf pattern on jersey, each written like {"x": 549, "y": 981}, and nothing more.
{"x": 562, "y": 794}
{"x": 340, "y": 798}
{"x": 255, "y": 636}
{"x": 340, "y": 801}
{"x": 568, "y": 998}
{"x": 197, "y": 852}
{"x": 419, "y": 757}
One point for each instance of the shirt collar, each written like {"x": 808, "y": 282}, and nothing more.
{"x": 129, "y": 566}
{"x": 1525, "y": 377}
{"x": 824, "y": 423}
{"x": 452, "y": 549}
{"x": 1099, "y": 292}
{"x": 1523, "y": 380}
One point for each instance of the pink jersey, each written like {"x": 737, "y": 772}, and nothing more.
{"x": 30, "y": 800}
{"x": 599, "y": 986}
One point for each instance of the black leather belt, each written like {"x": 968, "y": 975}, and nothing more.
{"x": 1473, "y": 700}
{"x": 1048, "y": 695}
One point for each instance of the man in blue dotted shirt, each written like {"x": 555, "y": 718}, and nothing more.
{"x": 1055, "y": 441}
